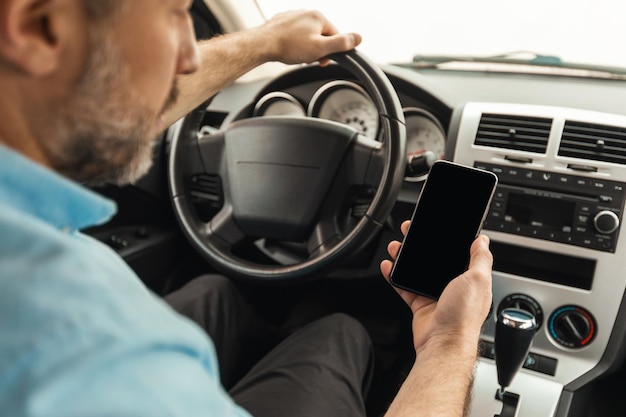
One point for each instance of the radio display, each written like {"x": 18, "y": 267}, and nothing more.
{"x": 545, "y": 212}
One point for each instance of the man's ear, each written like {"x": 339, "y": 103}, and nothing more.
{"x": 28, "y": 38}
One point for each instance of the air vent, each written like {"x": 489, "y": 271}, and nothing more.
{"x": 593, "y": 141}
{"x": 521, "y": 133}
{"x": 206, "y": 194}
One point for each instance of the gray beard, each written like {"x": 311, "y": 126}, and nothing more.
{"x": 98, "y": 138}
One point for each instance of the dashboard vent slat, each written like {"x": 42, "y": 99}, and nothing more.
{"x": 520, "y": 133}
{"x": 593, "y": 141}
{"x": 206, "y": 194}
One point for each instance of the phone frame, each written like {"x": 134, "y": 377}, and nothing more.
{"x": 485, "y": 211}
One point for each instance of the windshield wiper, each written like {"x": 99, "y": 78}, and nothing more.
{"x": 516, "y": 62}
{"x": 515, "y": 57}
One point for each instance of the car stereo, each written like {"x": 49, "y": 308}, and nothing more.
{"x": 569, "y": 209}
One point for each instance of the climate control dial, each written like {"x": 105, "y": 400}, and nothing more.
{"x": 572, "y": 327}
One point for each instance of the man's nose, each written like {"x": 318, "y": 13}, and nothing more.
{"x": 189, "y": 57}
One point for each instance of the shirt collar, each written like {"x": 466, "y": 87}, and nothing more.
{"x": 36, "y": 190}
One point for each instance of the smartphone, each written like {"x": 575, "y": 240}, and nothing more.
{"x": 448, "y": 217}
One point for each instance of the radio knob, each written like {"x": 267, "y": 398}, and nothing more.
{"x": 606, "y": 222}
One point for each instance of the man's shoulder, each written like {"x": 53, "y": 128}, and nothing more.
{"x": 32, "y": 248}
{"x": 60, "y": 290}
{"x": 43, "y": 268}
{"x": 50, "y": 277}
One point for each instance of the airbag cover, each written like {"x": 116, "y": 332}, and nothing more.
{"x": 280, "y": 170}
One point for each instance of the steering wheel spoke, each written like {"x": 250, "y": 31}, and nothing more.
{"x": 211, "y": 150}
{"x": 324, "y": 237}
{"x": 365, "y": 163}
{"x": 224, "y": 227}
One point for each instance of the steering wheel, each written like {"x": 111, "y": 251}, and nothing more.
{"x": 285, "y": 179}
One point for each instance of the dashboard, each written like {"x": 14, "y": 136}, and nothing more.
{"x": 558, "y": 146}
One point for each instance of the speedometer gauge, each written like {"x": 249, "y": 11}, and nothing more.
{"x": 423, "y": 133}
{"x": 278, "y": 103}
{"x": 346, "y": 102}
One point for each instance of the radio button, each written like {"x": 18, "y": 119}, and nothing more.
{"x": 604, "y": 243}
{"x": 606, "y": 222}
{"x": 563, "y": 179}
{"x": 598, "y": 185}
{"x": 546, "y": 177}
{"x": 518, "y": 229}
{"x": 501, "y": 226}
{"x": 581, "y": 229}
{"x": 513, "y": 172}
{"x": 582, "y": 182}
{"x": 497, "y": 204}
{"x": 497, "y": 170}
{"x": 583, "y": 218}
{"x": 606, "y": 198}
{"x": 554, "y": 236}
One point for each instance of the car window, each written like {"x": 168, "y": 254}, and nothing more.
{"x": 564, "y": 31}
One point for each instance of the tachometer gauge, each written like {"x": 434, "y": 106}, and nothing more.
{"x": 346, "y": 102}
{"x": 278, "y": 103}
{"x": 423, "y": 133}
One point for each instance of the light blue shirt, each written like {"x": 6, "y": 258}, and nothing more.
{"x": 80, "y": 335}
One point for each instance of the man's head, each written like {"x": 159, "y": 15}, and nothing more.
{"x": 88, "y": 81}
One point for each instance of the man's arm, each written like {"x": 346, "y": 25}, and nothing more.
{"x": 440, "y": 381}
{"x": 445, "y": 336}
{"x": 291, "y": 38}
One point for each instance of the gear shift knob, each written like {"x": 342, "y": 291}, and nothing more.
{"x": 515, "y": 329}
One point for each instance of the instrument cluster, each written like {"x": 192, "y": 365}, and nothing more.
{"x": 348, "y": 103}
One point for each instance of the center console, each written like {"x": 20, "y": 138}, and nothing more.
{"x": 556, "y": 229}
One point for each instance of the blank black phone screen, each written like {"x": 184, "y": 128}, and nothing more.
{"x": 447, "y": 218}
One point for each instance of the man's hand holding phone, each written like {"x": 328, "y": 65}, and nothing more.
{"x": 464, "y": 303}
{"x": 445, "y": 337}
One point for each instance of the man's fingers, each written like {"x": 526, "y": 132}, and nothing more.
{"x": 385, "y": 268}
{"x": 481, "y": 258}
{"x": 393, "y": 248}
{"x": 341, "y": 42}
{"x": 404, "y": 227}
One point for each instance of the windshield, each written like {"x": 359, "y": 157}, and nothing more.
{"x": 562, "y": 32}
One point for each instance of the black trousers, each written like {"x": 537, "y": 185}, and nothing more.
{"x": 323, "y": 369}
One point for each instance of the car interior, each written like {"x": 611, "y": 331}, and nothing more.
{"x": 293, "y": 182}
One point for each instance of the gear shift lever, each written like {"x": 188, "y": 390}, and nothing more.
{"x": 515, "y": 329}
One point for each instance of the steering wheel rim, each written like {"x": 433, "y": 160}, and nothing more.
{"x": 185, "y": 152}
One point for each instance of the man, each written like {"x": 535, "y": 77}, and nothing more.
{"x": 85, "y": 87}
